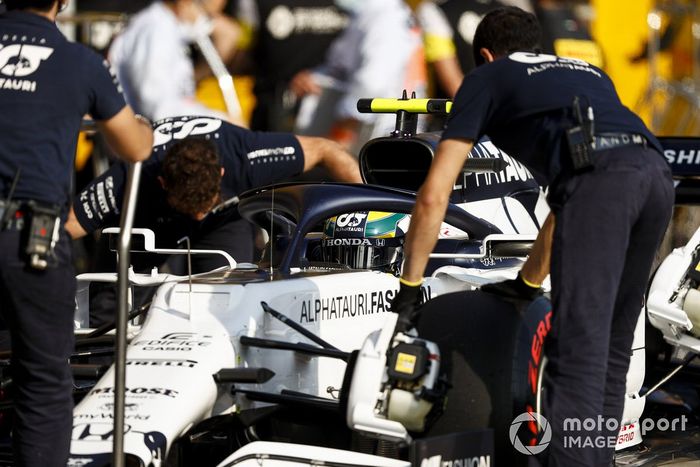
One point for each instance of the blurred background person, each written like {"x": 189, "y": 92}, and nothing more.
{"x": 449, "y": 25}
{"x": 565, "y": 33}
{"x": 379, "y": 55}
{"x": 462, "y": 17}
{"x": 448, "y": 29}
{"x": 285, "y": 37}
{"x": 124, "y": 6}
{"x": 444, "y": 68}
{"x": 153, "y": 60}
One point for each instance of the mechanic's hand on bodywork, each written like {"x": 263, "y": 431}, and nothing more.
{"x": 517, "y": 288}
{"x": 527, "y": 285}
{"x": 406, "y": 303}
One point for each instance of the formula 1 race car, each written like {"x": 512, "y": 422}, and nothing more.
{"x": 301, "y": 347}
{"x": 296, "y": 361}
{"x": 201, "y": 362}
{"x": 210, "y": 344}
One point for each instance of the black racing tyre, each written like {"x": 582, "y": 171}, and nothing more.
{"x": 492, "y": 356}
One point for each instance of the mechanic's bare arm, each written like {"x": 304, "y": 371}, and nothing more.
{"x": 431, "y": 204}
{"x": 73, "y": 227}
{"x": 129, "y": 137}
{"x": 342, "y": 166}
{"x": 536, "y": 268}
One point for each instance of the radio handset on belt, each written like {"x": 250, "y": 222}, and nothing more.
{"x": 44, "y": 226}
{"x": 581, "y": 138}
{"x": 44, "y": 229}
{"x": 5, "y": 204}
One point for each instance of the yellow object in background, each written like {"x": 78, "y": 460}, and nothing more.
{"x": 585, "y": 50}
{"x": 209, "y": 94}
{"x": 83, "y": 151}
{"x": 621, "y": 29}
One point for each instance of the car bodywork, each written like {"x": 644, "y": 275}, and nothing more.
{"x": 185, "y": 361}
{"x": 197, "y": 327}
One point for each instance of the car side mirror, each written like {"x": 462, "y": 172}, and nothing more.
{"x": 142, "y": 240}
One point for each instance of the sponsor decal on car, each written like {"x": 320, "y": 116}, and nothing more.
{"x": 513, "y": 172}
{"x": 350, "y": 306}
{"x": 176, "y": 341}
{"x": 109, "y": 416}
{"x": 100, "y": 431}
{"x": 346, "y": 306}
{"x": 162, "y": 362}
{"x": 352, "y": 242}
{"x": 627, "y": 434}
{"x": 79, "y": 461}
{"x": 437, "y": 461}
{"x": 682, "y": 156}
{"x": 137, "y": 392}
{"x": 154, "y": 441}
{"x": 109, "y": 407}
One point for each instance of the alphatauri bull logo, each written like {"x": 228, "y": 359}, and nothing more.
{"x": 19, "y": 60}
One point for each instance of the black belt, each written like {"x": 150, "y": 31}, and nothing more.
{"x": 605, "y": 141}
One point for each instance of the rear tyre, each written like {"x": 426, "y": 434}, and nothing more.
{"x": 492, "y": 355}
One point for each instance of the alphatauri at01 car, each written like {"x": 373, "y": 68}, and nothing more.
{"x": 296, "y": 361}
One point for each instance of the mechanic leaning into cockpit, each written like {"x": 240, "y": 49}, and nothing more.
{"x": 610, "y": 193}
{"x": 47, "y": 85}
{"x": 198, "y": 165}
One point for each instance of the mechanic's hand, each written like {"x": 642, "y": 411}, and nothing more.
{"x": 514, "y": 288}
{"x": 406, "y": 303}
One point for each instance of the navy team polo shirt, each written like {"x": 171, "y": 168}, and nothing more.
{"x": 523, "y": 103}
{"x": 47, "y": 85}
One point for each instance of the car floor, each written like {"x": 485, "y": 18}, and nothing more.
{"x": 680, "y": 397}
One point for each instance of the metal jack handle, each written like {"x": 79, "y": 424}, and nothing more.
{"x": 218, "y": 68}
{"x": 126, "y": 223}
{"x": 689, "y": 358}
{"x": 298, "y": 328}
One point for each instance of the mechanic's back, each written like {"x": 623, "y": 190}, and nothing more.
{"x": 520, "y": 88}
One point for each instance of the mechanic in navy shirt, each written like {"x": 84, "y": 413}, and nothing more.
{"x": 198, "y": 163}
{"x": 607, "y": 219}
{"x": 47, "y": 85}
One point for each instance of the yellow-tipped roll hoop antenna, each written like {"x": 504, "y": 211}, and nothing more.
{"x": 417, "y": 106}
{"x": 406, "y": 110}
